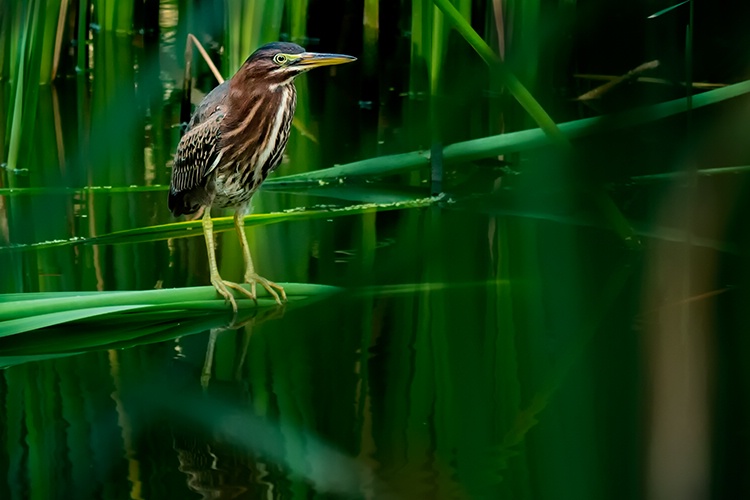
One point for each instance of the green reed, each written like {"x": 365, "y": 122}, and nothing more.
{"x": 248, "y": 26}
{"x": 26, "y": 312}
{"x": 30, "y": 49}
{"x": 522, "y": 95}
{"x": 114, "y": 16}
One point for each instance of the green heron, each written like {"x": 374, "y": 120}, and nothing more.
{"x": 235, "y": 138}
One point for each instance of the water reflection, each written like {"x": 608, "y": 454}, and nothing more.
{"x": 403, "y": 392}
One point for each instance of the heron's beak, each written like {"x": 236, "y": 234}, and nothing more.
{"x": 313, "y": 59}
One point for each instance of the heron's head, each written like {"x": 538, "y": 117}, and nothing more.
{"x": 279, "y": 62}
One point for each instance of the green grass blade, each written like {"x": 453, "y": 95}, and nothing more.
{"x": 34, "y": 322}
{"x": 382, "y": 165}
{"x": 19, "y": 86}
{"x": 201, "y": 297}
{"x": 7, "y": 361}
{"x": 46, "y": 55}
{"x": 194, "y": 228}
{"x": 146, "y": 325}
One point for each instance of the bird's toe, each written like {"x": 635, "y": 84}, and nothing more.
{"x": 270, "y": 287}
{"x": 221, "y": 289}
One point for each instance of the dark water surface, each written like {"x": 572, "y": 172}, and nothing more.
{"x": 509, "y": 346}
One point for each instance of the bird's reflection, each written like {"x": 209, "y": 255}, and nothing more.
{"x": 244, "y": 325}
{"x": 228, "y": 449}
{"x": 216, "y": 469}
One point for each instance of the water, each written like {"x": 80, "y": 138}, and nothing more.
{"x": 505, "y": 346}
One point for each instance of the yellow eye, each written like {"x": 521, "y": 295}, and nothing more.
{"x": 279, "y": 59}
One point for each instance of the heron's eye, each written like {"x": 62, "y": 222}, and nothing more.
{"x": 279, "y": 59}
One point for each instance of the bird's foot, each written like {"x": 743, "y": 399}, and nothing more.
{"x": 253, "y": 279}
{"x": 223, "y": 286}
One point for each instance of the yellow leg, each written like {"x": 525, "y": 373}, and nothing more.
{"x": 221, "y": 285}
{"x": 250, "y": 275}
{"x": 209, "y": 361}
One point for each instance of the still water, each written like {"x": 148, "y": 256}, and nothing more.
{"x": 504, "y": 346}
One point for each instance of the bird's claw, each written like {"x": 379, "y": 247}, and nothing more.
{"x": 253, "y": 279}
{"x": 222, "y": 287}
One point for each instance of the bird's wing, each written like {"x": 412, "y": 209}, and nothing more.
{"x": 196, "y": 151}
{"x": 196, "y": 154}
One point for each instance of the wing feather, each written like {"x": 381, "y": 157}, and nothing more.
{"x": 197, "y": 155}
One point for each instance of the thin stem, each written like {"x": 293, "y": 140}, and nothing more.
{"x": 522, "y": 95}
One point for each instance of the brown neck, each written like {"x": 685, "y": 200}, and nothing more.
{"x": 252, "y": 113}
